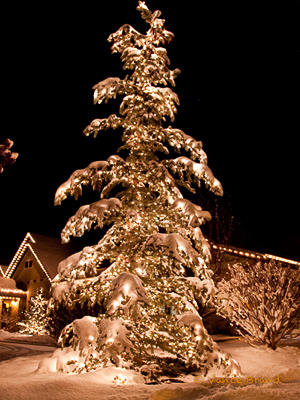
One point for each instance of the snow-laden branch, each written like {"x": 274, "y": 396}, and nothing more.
{"x": 158, "y": 33}
{"x": 126, "y": 292}
{"x": 174, "y": 245}
{"x": 96, "y": 173}
{"x": 97, "y": 125}
{"x": 89, "y": 215}
{"x": 124, "y": 37}
{"x": 79, "y": 178}
{"x": 196, "y": 216}
{"x": 180, "y": 140}
{"x": 199, "y": 171}
{"x": 114, "y": 339}
{"x": 108, "y": 89}
{"x": 161, "y": 102}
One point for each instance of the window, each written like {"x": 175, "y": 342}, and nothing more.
{"x": 28, "y": 264}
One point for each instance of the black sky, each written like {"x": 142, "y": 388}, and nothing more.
{"x": 239, "y": 93}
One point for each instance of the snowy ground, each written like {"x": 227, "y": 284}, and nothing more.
{"x": 19, "y": 379}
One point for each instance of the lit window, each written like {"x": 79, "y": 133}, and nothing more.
{"x": 28, "y": 264}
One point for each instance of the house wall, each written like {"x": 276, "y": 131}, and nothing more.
{"x": 31, "y": 278}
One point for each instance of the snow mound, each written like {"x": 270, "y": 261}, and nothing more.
{"x": 4, "y": 335}
{"x": 290, "y": 375}
{"x": 118, "y": 375}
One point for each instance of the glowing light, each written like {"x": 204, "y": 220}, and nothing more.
{"x": 258, "y": 256}
{"x": 126, "y": 288}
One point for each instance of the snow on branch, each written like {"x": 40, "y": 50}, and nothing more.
{"x": 161, "y": 101}
{"x": 97, "y": 125}
{"x": 124, "y": 37}
{"x": 203, "y": 339}
{"x": 175, "y": 245}
{"x": 89, "y": 215}
{"x": 165, "y": 100}
{"x": 113, "y": 339}
{"x": 127, "y": 291}
{"x": 178, "y": 139}
{"x": 194, "y": 213}
{"x": 85, "y": 334}
{"x": 158, "y": 31}
{"x": 191, "y": 169}
{"x": 108, "y": 89}
{"x": 73, "y": 186}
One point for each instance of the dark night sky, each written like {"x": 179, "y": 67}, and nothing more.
{"x": 239, "y": 93}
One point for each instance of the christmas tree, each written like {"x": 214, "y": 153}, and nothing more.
{"x": 35, "y": 320}
{"x": 149, "y": 271}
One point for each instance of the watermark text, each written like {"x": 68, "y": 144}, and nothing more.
{"x": 249, "y": 380}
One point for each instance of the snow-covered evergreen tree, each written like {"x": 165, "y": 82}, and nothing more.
{"x": 35, "y": 320}
{"x": 157, "y": 256}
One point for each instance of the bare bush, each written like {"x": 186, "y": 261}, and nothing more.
{"x": 9, "y": 323}
{"x": 261, "y": 300}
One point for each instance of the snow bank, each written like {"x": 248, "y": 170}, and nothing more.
{"x": 19, "y": 380}
{"x": 4, "y": 335}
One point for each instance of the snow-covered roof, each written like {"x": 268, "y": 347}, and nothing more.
{"x": 8, "y": 288}
{"x": 3, "y": 269}
{"x": 7, "y": 283}
{"x": 253, "y": 254}
{"x": 48, "y": 251}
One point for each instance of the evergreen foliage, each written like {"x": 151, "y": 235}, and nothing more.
{"x": 156, "y": 254}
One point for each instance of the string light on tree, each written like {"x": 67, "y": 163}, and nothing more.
{"x": 156, "y": 252}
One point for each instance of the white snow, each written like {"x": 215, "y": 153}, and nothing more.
{"x": 113, "y": 336}
{"x": 194, "y": 212}
{"x": 20, "y": 381}
{"x": 105, "y": 88}
{"x": 88, "y": 215}
{"x": 201, "y": 171}
{"x": 175, "y": 244}
{"x": 85, "y": 332}
{"x": 73, "y": 186}
{"x": 126, "y": 291}
{"x": 7, "y": 283}
{"x": 201, "y": 284}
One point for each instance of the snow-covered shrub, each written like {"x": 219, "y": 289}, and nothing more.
{"x": 261, "y": 300}
{"x": 9, "y": 322}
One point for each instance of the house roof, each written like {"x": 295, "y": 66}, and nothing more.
{"x": 48, "y": 251}
{"x": 235, "y": 251}
{"x": 7, "y": 283}
{"x": 3, "y": 269}
{"x": 8, "y": 288}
